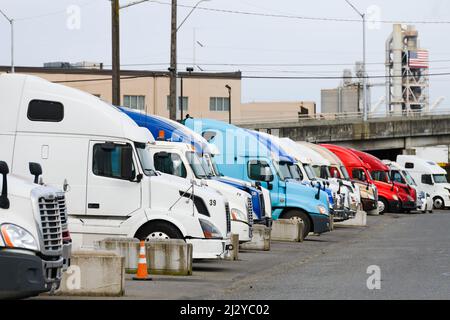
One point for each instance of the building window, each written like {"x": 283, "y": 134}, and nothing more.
{"x": 219, "y": 104}
{"x": 134, "y": 102}
{"x": 185, "y": 103}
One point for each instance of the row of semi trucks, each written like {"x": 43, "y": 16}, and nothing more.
{"x": 114, "y": 172}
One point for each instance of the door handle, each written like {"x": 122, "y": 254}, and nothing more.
{"x": 93, "y": 205}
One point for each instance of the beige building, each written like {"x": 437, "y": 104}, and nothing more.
{"x": 205, "y": 94}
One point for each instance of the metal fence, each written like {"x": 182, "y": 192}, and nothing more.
{"x": 343, "y": 116}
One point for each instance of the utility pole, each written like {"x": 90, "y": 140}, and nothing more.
{"x": 115, "y": 52}
{"x": 173, "y": 63}
{"x": 11, "y": 22}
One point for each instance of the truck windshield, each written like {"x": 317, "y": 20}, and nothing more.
{"x": 295, "y": 172}
{"x": 283, "y": 170}
{"x": 382, "y": 176}
{"x": 439, "y": 178}
{"x": 145, "y": 158}
{"x": 408, "y": 178}
{"x": 309, "y": 171}
{"x": 345, "y": 172}
{"x": 196, "y": 165}
{"x": 207, "y": 166}
{"x": 325, "y": 172}
{"x": 213, "y": 163}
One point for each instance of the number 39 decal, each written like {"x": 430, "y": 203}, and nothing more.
{"x": 212, "y": 203}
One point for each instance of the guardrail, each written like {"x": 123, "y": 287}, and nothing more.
{"x": 289, "y": 118}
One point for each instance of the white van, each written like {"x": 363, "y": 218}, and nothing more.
{"x": 31, "y": 239}
{"x": 429, "y": 177}
{"x": 399, "y": 174}
{"x": 102, "y": 159}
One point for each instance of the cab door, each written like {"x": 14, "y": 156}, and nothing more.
{"x": 114, "y": 187}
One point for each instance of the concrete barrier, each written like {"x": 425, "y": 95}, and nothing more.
{"x": 287, "y": 230}
{"x": 260, "y": 239}
{"x": 360, "y": 220}
{"x": 168, "y": 257}
{"x": 233, "y": 255}
{"x": 94, "y": 273}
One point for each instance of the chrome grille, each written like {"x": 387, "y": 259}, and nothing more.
{"x": 228, "y": 215}
{"x": 250, "y": 216}
{"x": 62, "y": 210}
{"x": 50, "y": 225}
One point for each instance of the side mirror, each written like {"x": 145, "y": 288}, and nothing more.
{"x": 269, "y": 186}
{"x": 127, "y": 164}
{"x": 317, "y": 196}
{"x": 4, "y": 170}
{"x": 35, "y": 170}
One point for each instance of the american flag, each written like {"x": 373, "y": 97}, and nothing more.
{"x": 418, "y": 59}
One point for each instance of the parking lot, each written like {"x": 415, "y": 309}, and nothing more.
{"x": 412, "y": 252}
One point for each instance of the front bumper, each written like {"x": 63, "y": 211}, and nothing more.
{"x": 340, "y": 214}
{"x": 209, "y": 248}
{"x": 409, "y": 205}
{"x": 369, "y": 204}
{"x": 321, "y": 222}
{"x": 24, "y": 275}
{"x": 394, "y": 206}
{"x": 242, "y": 229}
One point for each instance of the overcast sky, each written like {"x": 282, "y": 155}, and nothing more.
{"x": 46, "y": 31}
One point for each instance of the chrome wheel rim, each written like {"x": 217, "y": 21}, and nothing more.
{"x": 157, "y": 235}
{"x": 438, "y": 203}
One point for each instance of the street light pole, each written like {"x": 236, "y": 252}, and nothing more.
{"x": 229, "y": 103}
{"x": 363, "y": 16}
{"x": 11, "y": 22}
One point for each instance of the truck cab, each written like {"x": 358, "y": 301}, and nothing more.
{"x": 31, "y": 239}
{"x": 395, "y": 196}
{"x": 358, "y": 173}
{"x": 103, "y": 160}
{"x": 430, "y": 177}
{"x": 399, "y": 174}
{"x": 246, "y": 156}
{"x": 172, "y": 131}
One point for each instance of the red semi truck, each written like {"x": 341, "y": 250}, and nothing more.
{"x": 395, "y": 196}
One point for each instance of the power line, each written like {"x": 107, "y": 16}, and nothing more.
{"x": 265, "y": 77}
{"x": 286, "y": 16}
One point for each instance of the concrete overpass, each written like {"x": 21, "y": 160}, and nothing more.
{"x": 384, "y": 137}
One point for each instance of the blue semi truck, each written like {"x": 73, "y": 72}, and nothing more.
{"x": 245, "y": 156}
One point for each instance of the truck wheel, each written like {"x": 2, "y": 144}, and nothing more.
{"x": 299, "y": 215}
{"x": 438, "y": 203}
{"x": 158, "y": 230}
{"x": 383, "y": 205}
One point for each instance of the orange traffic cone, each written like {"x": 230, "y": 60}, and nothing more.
{"x": 142, "y": 274}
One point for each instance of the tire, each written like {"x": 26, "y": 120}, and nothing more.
{"x": 297, "y": 214}
{"x": 431, "y": 211}
{"x": 158, "y": 230}
{"x": 438, "y": 203}
{"x": 385, "y": 205}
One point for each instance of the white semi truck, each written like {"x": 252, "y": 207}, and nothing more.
{"x": 103, "y": 160}
{"x": 429, "y": 177}
{"x": 31, "y": 237}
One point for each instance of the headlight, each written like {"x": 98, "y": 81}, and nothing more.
{"x": 395, "y": 197}
{"x": 17, "y": 237}
{"x": 237, "y": 214}
{"x": 209, "y": 230}
{"x": 322, "y": 210}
